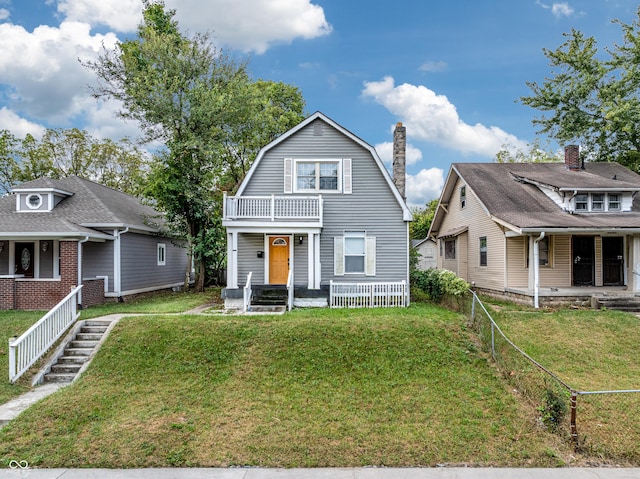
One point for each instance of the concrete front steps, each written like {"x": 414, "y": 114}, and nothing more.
{"x": 77, "y": 352}
{"x": 629, "y": 303}
{"x": 269, "y": 299}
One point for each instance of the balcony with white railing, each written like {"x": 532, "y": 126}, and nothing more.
{"x": 272, "y": 209}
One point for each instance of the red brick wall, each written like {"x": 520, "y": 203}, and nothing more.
{"x": 7, "y": 293}
{"x": 44, "y": 294}
{"x": 92, "y": 292}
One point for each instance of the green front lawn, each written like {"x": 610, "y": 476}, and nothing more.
{"x": 385, "y": 387}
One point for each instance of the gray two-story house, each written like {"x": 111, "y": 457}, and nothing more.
{"x": 319, "y": 214}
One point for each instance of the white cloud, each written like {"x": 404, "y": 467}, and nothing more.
{"x": 252, "y": 25}
{"x": 119, "y": 15}
{"x": 4, "y": 13}
{"x": 433, "y": 118}
{"x": 385, "y": 151}
{"x": 558, "y": 9}
{"x": 247, "y": 25}
{"x": 424, "y": 187}
{"x": 46, "y": 80}
{"x": 433, "y": 67}
{"x": 19, "y": 127}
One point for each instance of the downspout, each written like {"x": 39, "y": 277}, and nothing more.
{"x": 86, "y": 238}
{"x": 117, "y": 267}
{"x": 536, "y": 269}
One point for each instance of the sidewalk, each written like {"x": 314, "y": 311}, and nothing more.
{"x": 329, "y": 473}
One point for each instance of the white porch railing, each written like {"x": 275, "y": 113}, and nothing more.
{"x": 367, "y": 295}
{"x": 290, "y": 291}
{"x": 246, "y": 294}
{"x": 273, "y": 207}
{"x": 35, "y": 342}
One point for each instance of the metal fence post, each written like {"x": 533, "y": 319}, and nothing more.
{"x": 493, "y": 339}
{"x": 473, "y": 308}
{"x": 574, "y": 408}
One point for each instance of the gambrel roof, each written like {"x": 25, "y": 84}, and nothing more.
{"x": 511, "y": 194}
{"x": 407, "y": 216}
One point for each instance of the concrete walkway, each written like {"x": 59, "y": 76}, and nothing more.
{"x": 330, "y": 473}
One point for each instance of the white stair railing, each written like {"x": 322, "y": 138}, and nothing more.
{"x": 35, "y": 342}
{"x": 290, "y": 291}
{"x": 247, "y": 293}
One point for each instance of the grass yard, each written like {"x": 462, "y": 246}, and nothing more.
{"x": 311, "y": 388}
{"x": 591, "y": 350}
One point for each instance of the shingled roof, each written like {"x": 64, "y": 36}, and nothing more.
{"x": 88, "y": 209}
{"x": 509, "y": 193}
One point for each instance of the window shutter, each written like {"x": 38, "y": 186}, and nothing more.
{"x": 346, "y": 176}
{"x": 338, "y": 256}
{"x": 370, "y": 256}
{"x": 288, "y": 175}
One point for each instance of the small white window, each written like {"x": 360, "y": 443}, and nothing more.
{"x": 354, "y": 252}
{"x": 34, "y": 201}
{"x": 582, "y": 202}
{"x": 463, "y": 196}
{"x": 597, "y": 202}
{"x": 162, "y": 254}
{"x": 614, "y": 202}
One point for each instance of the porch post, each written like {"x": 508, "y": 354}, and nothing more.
{"x": 635, "y": 262}
{"x": 311, "y": 252}
{"x": 232, "y": 260}
{"x": 318, "y": 267}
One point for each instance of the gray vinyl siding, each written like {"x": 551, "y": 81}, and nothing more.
{"x": 97, "y": 260}
{"x": 248, "y": 261}
{"x": 371, "y": 207}
{"x": 139, "y": 265}
{"x": 300, "y": 261}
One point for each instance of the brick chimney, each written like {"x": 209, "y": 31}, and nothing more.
{"x": 400, "y": 158}
{"x": 572, "y": 157}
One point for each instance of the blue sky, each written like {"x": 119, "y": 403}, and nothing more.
{"x": 451, "y": 71}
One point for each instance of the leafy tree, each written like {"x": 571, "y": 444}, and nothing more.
{"x": 210, "y": 116}
{"x": 591, "y": 100}
{"x": 422, "y": 218}
{"x": 8, "y": 163}
{"x": 533, "y": 154}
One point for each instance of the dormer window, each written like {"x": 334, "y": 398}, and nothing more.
{"x": 34, "y": 201}
{"x": 597, "y": 202}
{"x": 614, "y": 202}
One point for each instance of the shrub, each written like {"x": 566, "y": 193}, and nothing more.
{"x": 438, "y": 284}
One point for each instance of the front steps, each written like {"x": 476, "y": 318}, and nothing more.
{"x": 77, "y": 352}
{"x": 626, "y": 303}
{"x": 269, "y": 298}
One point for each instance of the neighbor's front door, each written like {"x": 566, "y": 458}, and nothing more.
{"x": 24, "y": 259}
{"x": 583, "y": 249}
{"x": 278, "y": 259}
{"x": 612, "y": 261}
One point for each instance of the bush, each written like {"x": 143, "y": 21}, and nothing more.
{"x": 439, "y": 283}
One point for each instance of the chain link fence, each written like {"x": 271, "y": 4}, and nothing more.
{"x": 601, "y": 424}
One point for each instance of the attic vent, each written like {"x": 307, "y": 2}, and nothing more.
{"x": 317, "y": 129}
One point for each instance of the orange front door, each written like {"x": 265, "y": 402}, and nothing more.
{"x": 278, "y": 259}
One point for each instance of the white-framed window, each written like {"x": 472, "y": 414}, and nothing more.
{"x": 34, "y": 201}
{"x": 545, "y": 252}
{"x": 331, "y": 175}
{"x": 354, "y": 254}
{"x": 162, "y": 254}
{"x": 582, "y": 202}
{"x": 614, "y": 202}
{"x": 597, "y": 202}
{"x": 317, "y": 176}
